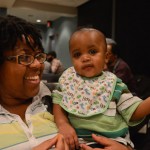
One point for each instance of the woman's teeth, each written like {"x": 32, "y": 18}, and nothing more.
{"x": 32, "y": 78}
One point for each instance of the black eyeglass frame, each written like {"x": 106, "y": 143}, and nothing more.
{"x": 17, "y": 58}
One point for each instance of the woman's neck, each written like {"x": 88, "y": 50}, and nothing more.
{"x": 17, "y": 108}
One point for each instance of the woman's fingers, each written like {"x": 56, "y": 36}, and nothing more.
{"x": 46, "y": 144}
{"x": 102, "y": 140}
{"x": 57, "y": 142}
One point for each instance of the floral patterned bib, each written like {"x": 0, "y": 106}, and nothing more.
{"x": 86, "y": 96}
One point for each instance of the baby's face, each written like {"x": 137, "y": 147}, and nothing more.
{"x": 87, "y": 49}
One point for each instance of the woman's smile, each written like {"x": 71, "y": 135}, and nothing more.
{"x": 35, "y": 79}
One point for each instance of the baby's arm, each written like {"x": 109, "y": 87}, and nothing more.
{"x": 142, "y": 110}
{"x": 64, "y": 127}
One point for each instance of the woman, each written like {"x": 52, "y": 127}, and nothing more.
{"x": 24, "y": 120}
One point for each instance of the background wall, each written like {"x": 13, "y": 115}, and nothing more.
{"x": 63, "y": 30}
{"x": 133, "y": 33}
{"x": 97, "y": 14}
{"x": 128, "y": 22}
{"x": 57, "y": 37}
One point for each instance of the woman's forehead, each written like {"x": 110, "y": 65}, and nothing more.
{"x": 22, "y": 46}
{"x": 27, "y": 41}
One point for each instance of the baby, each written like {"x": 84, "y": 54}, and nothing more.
{"x": 90, "y": 100}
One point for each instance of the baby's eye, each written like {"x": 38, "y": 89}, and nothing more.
{"x": 92, "y": 51}
{"x": 77, "y": 55}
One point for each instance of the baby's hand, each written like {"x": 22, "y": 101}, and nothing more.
{"x": 70, "y": 135}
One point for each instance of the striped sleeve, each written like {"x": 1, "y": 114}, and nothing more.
{"x": 126, "y": 102}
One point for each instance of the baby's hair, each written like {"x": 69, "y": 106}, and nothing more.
{"x": 13, "y": 28}
{"x": 80, "y": 29}
{"x": 89, "y": 29}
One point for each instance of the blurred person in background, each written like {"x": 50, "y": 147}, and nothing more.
{"x": 47, "y": 67}
{"x": 118, "y": 66}
{"x": 56, "y": 64}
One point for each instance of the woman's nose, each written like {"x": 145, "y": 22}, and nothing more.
{"x": 35, "y": 63}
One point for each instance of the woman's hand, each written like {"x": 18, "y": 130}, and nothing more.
{"x": 107, "y": 143}
{"x": 57, "y": 142}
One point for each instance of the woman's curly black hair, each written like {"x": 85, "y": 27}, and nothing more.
{"x": 13, "y": 28}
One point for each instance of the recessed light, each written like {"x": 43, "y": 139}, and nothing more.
{"x": 38, "y": 20}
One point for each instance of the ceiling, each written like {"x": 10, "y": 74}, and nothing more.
{"x": 45, "y": 10}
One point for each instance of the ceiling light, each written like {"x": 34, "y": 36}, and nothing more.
{"x": 38, "y": 20}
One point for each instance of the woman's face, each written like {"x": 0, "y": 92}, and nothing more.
{"x": 18, "y": 81}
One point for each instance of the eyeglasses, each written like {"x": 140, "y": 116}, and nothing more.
{"x": 27, "y": 59}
